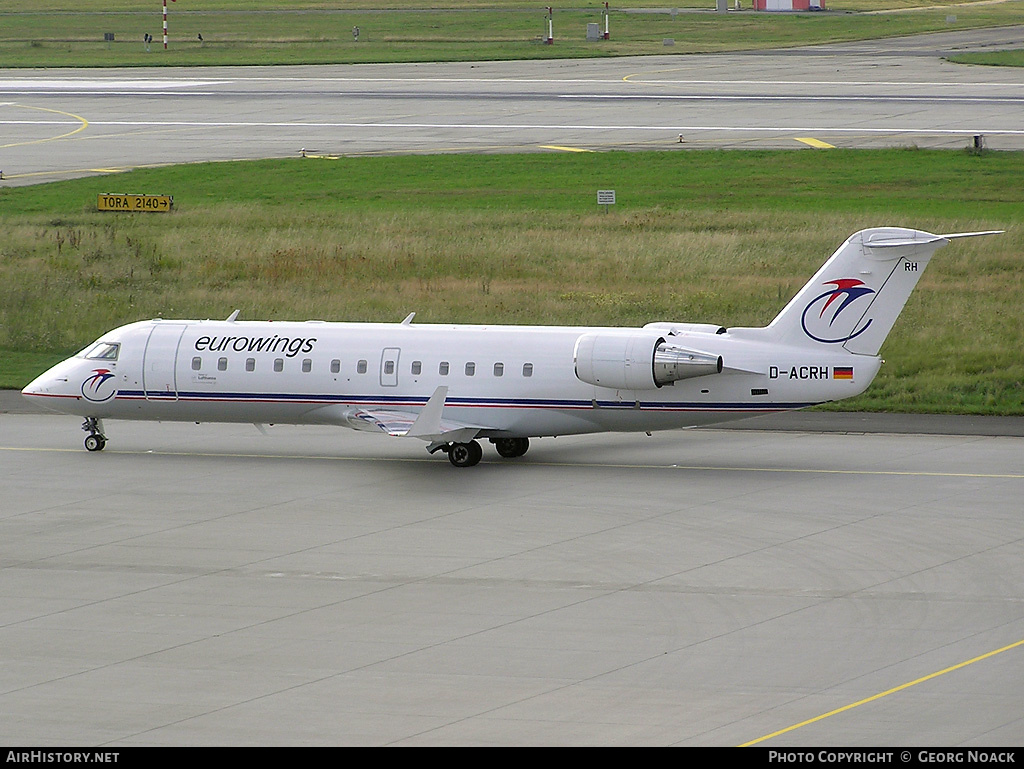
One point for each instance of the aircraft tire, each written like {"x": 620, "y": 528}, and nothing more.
{"x": 94, "y": 442}
{"x": 510, "y": 448}
{"x": 465, "y": 454}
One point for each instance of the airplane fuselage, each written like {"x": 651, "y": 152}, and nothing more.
{"x": 510, "y": 380}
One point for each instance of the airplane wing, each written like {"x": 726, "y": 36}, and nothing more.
{"x": 426, "y": 425}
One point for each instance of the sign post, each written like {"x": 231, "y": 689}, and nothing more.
{"x": 606, "y": 198}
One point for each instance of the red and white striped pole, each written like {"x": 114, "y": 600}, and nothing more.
{"x": 551, "y": 26}
{"x": 165, "y": 24}
{"x": 607, "y": 34}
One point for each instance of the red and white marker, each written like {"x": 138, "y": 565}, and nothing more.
{"x": 165, "y": 24}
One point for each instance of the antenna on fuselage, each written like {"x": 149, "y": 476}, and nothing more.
{"x": 408, "y": 319}
{"x": 233, "y": 316}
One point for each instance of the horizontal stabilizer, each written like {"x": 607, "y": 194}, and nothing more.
{"x": 903, "y": 242}
{"x": 897, "y": 242}
{"x": 955, "y": 235}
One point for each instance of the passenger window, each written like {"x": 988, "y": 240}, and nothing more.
{"x": 417, "y": 367}
{"x": 278, "y": 364}
{"x": 389, "y": 367}
{"x": 197, "y": 363}
{"x": 527, "y": 369}
{"x": 443, "y": 368}
{"x": 250, "y": 364}
{"x": 103, "y": 351}
{"x": 222, "y": 364}
{"x": 470, "y": 369}
{"x": 361, "y": 367}
{"x": 499, "y": 369}
{"x": 307, "y": 365}
{"x": 335, "y": 366}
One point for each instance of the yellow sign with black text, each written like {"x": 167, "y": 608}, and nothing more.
{"x": 117, "y": 202}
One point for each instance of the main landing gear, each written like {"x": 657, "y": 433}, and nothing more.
{"x": 465, "y": 454}
{"x": 469, "y": 454}
{"x": 95, "y": 440}
{"x": 510, "y": 448}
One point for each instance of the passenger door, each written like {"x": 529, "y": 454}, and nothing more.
{"x": 160, "y": 361}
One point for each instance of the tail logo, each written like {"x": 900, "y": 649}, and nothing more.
{"x": 821, "y": 317}
{"x": 96, "y": 389}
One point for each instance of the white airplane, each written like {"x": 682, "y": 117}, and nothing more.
{"x": 451, "y": 385}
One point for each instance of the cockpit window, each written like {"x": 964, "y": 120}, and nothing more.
{"x": 103, "y": 351}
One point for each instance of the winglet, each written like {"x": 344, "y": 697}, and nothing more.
{"x": 428, "y": 423}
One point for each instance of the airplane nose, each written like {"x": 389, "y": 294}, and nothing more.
{"x": 36, "y": 387}
{"x": 41, "y": 390}
{"x": 39, "y": 386}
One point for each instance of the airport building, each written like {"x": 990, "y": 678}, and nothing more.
{"x": 789, "y": 5}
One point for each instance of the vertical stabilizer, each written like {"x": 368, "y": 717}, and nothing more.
{"x": 854, "y": 299}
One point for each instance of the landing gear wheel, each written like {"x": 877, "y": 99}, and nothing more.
{"x": 511, "y": 447}
{"x": 96, "y": 440}
{"x": 465, "y": 454}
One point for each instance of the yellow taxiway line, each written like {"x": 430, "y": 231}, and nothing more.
{"x": 815, "y": 143}
{"x": 82, "y": 127}
{"x": 886, "y": 693}
{"x": 562, "y": 149}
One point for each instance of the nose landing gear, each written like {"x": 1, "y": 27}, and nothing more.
{"x": 95, "y": 440}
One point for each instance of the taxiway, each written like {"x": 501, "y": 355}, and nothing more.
{"x": 208, "y": 585}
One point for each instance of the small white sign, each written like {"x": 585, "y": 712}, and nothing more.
{"x": 606, "y": 197}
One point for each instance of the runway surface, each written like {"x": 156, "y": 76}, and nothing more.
{"x": 898, "y": 92}
{"x": 206, "y": 584}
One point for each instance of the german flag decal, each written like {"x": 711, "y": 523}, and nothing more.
{"x": 842, "y": 372}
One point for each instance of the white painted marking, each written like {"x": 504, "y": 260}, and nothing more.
{"x": 709, "y": 97}
{"x": 615, "y": 81}
{"x": 789, "y": 97}
{"x": 102, "y": 85}
{"x": 628, "y": 80}
{"x": 175, "y": 94}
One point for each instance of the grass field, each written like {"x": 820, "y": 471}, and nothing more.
{"x": 48, "y": 33}
{"x": 723, "y": 237}
{"x": 1013, "y": 58}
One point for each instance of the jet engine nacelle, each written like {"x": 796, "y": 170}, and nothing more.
{"x": 639, "y": 361}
